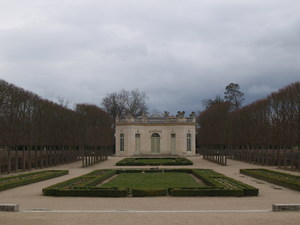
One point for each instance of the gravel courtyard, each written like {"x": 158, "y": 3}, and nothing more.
{"x": 36, "y": 209}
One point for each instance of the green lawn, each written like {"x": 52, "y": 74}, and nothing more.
{"x": 152, "y": 180}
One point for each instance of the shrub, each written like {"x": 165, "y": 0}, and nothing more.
{"x": 279, "y": 178}
{"x": 149, "y": 192}
{"x": 97, "y": 176}
{"x": 154, "y": 171}
{"x": 28, "y": 178}
{"x": 154, "y": 162}
{"x": 206, "y": 192}
{"x": 90, "y": 179}
{"x": 87, "y": 192}
{"x": 215, "y": 179}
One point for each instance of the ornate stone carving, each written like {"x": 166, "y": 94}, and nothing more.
{"x": 180, "y": 114}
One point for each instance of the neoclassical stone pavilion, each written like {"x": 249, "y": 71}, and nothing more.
{"x": 157, "y": 134}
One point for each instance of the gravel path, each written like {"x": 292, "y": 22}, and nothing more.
{"x": 38, "y": 209}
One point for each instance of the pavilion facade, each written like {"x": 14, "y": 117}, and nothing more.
{"x": 158, "y": 134}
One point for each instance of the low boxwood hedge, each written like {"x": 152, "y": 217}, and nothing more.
{"x": 148, "y": 192}
{"x": 86, "y": 186}
{"x": 154, "y": 162}
{"x": 279, "y": 178}
{"x": 153, "y": 170}
{"x": 28, "y": 178}
{"x": 87, "y": 192}
{"x": 212, "y": 178}
{"x": 96, "y": 177}
{"x": 206, "y": 192}
{"x": 218, "y": 185}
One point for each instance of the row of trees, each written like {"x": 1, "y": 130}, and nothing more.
{"x": 28, "y": 120}
{"x": 274, "y": 120}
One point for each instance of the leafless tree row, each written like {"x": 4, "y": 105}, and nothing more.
{"x": 265, "y": 125}
{"x": 28, "y": 122}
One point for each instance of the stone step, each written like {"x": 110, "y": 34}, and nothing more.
{"x": 286, "y": 207}
{"x": 9, "y": 207}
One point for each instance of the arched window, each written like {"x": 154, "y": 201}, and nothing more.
{"x": 122, "y": 142}
{"x": 173, "y": 144}
{"x": 189, "y": 142}
{"x": 155, "y": 143}
{"x": 137, "y": 143}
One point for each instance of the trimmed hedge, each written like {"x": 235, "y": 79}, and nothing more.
{"x": 206, "y": 192}
{"x": 87, "y": 192}
{"x": 154, "y": 162}
{"x": 86, "y": 186}
{"x": 153, "y": 171}
{"x": 149, "y": 192}
{"x": 279, "y": 178}
{"x": 218, "y": 185}
{"x": 218, "y": 180}
{"x": 29, "y": 178}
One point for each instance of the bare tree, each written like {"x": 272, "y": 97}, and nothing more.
{"x": 114, "y": 104}
{"x": 207, "y": 103}
{"x": 135, "y": 102}
{"x": 125, "y": 103}
{"x": 234, "y": 95}
{"x": 64, "y": 102}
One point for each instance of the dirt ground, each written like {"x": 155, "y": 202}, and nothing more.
{"x": 36, "y": 209}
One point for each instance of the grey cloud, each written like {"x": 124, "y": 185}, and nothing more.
{"x": 179, "y": 52}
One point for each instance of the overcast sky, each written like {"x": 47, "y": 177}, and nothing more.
{"x": 178, "y": 52}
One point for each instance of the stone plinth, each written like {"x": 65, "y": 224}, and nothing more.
{"x": 9, "y": 207}
{"x": 286, "y": 207}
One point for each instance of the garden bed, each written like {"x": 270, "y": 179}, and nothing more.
{"x": 154, "y": 162}
{"x": 28, "y": 178}
{"x": 147, "y": 182}
{"x": 282, "y": 179}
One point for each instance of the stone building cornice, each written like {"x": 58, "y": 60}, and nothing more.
{"x": 158, "y": 120}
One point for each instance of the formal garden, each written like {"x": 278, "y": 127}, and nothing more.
{"x": 151, "y": 182}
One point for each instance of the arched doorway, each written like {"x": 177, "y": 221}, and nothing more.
{"x": 155, "y": 143}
